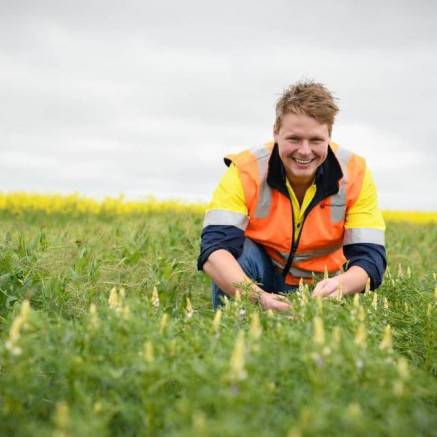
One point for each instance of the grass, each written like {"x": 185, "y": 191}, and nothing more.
{"x": 99, "y": 353}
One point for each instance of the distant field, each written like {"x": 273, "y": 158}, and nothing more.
{"x": 107, "y": 330}
{"x": 75, "y": 204}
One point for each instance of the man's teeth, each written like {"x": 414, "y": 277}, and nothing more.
{"x": 301, "y": 161}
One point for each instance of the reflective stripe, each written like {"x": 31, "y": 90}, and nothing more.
{"x": 297, "y": 273}
{"x": 343, "y": 155}
{"x": 299, "y": 257}
{"x": 225, "y": 217}
{"x": 338, "y": 201}
{"x": 262, "y": 154}
{"x": 363, "y": 235}
{"x": 338, "y": 204}
{"x": 300, "y": 273}
{"x": 278, "y": 264}
{"x": 283, "y": 255}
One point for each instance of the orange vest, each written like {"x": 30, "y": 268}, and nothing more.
{"x": 320, "y": 244}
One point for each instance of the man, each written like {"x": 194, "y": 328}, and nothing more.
{"x": 294, "y": 208}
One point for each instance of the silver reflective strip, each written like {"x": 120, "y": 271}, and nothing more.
{"x": 299, "y": 257}
{"x": 283, "y": 255}
{"x": 226, "y": 218}
{"x": 343, "y": 155}
{"x": 262, "y": 154}
{"x": 338, "y": 201}
{"x": 364, "y": 235}
{"x": 300, "y": 273}
{"x": 337, "y": 204}
{"x": 277, "y": 264}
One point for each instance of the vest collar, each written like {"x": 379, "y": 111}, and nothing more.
{"x": 328, "y": 174}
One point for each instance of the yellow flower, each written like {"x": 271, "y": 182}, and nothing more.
{"x": 387, "y": 341}
{"x": 361, "y": 314}
{"x": 375, "y": 300}
{"x": 403, "y": 370}
{"x": 400, "y": 272}
{"x": 360, "y": 337}
{"x": 14, "y": 331}
{"x": 25, "y": 309}
{"x": 126, "y": 312}
{"x": 356, "y": 300}
{"x": 237, "y": 362}
{"x": 62, "y": 415}
{"x": 17, "y": 325}
{"x": 301, "y": 289}
{"x": 319, "y": 303}
{"x": 113, "y": 298}
{"x": 255, "y": 327}
{"x": 319, "y": 331}
{"x": 200, "y": 425}
{"x": 336, "y": 335}
{"x": 398, "y": 388}
{"x": 163, "y": 323}
{"x": 155, "y": 298}
{"x": 354, "y": 412}
{"x": 189, "y": 308}
{"x": 93, "y": 314}
{"x": 216, "y": 321}
{"x": 339, "y": 291}
{"x": 367, "y": 289}
{"x": 148, "y": 352}
{"x": 173, "y": 347}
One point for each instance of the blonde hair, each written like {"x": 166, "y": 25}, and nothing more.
{"x": 307, "y": 98}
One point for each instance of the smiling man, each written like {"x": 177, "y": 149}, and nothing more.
{"x": 295, "y": 208}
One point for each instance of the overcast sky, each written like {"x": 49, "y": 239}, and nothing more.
{"x": 145, "y": 97}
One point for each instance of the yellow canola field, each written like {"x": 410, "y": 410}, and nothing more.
{"x": 76, "y": 204}
{"x": 419, "y": 217}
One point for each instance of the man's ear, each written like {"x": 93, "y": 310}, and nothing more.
{"x": 275, "y": 133}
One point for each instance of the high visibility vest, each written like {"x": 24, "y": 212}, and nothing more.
{"x": 319, "y": 247}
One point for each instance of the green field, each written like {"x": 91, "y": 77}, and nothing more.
{"x": 88, "y": 361}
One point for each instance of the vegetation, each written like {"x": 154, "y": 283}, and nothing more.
{"x": 107, "y": 330}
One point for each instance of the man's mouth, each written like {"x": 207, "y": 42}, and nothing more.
{"x": 302, "y": 161}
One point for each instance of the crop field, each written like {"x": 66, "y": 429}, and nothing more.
{"x": 107, "y": 329}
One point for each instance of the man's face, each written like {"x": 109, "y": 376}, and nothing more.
{"x": 303, "y": 146}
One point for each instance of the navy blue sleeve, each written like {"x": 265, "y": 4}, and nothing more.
{"x": 215, "y": 237}
{"x": 371, "y": 257}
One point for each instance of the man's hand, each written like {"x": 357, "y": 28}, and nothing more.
{"x": 327, "y": 288}
{"x": 352, "y": 281}
{"x": 276, "y": 302}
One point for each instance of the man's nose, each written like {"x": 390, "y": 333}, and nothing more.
{"x": 305, "y": 148}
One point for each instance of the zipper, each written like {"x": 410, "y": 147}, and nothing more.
{"x": 295, "y": 245}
